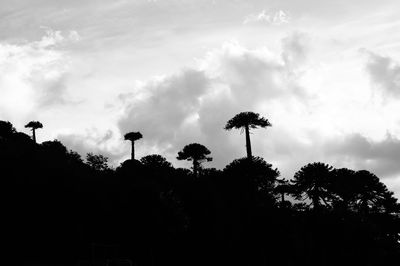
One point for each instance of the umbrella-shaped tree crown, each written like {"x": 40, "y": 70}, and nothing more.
{"x": 133, "y": 136}
{"x": 34, "y": 125}
{"x": 250, "y": 119}
{"x": 194, "y": 151}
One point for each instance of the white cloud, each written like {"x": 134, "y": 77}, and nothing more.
{"x": 314, "y": 116}
{"x": 295, "y": 49}
{"x": 194, "y": 105}
{"x": 33, "y": 74}
{"x": 313, "y": 87}
{"x": 274, "y": 18}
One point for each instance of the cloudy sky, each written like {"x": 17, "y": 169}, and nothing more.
{"x": 325, "y": 73}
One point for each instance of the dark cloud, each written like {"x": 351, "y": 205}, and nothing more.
{"x": 160, "y": 113}
{"x": 290, "y": 152}
{"x": 380, "y": 157}
{"x": 385, "y": 73}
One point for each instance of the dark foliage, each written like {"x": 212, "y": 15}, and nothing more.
{"x": 250, "y": 119}
{"x": 62, "y": 210}
{"x": 196, "y": 153}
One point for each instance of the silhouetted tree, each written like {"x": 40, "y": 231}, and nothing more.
{"x": 6, "y": 129}
{"x": 283, "y": 187}
{"x": 158, "y": 167}
{"x": 97, "y": 162}
{"x": 34, "y": 125}
{"x": 247, "y": 121}
{"x": 74, "y": 157}
{"x": 155, "y": 161}
{"x": 54, "y": 148}
{"x": 133, "y": 136}
{"x": 312, "y": 182}
{"x": 372, "y": 195}
{"x": 197, "y": 153}
{"x": 343, "y": 186}
{"x": 257, "y": 171}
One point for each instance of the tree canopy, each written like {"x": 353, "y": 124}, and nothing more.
{"x": 195, "y": 152}
{"x": 34, "y": 125}
{"x": 250, "y": 119}
{"x": 133, "y": 136}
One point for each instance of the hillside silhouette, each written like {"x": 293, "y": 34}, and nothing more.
{"x": 61, "y": 209}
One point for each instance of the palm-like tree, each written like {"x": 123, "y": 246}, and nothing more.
{"x": 34, "y": 125}
{"x": 195, "y": 152}
{"x": 247, "y": 121}
{"x": 132, "y": 137}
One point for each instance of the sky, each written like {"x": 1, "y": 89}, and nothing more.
{"x": 326, "y": 74}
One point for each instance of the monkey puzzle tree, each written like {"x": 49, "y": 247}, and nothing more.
{"x": 34, "y": 125}
{"x": 195, "y": 152}
{"x": 253, "y": 176}
{"x": 156, "y": 161}
{"x": 343, "y": 186}
{"x": 132, "y": 137}
{"x": 373, "y": 195}
{"x": 312, "y": 182}
{"x": 360, "y": 191}
{"x": 283, "y": 187}
{"x": 247, "y": 121}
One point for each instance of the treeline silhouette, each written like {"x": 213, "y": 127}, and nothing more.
{"x": 63, "y": 210}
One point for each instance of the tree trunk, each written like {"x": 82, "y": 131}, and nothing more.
{"x": 133, "y": 151}
{"x": 248, "y": 144}
{"x": 33, "y": 135}
{"x": 195, "y": 167}
{"x": 315, "y": 201}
